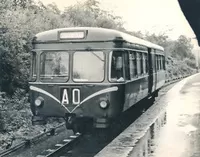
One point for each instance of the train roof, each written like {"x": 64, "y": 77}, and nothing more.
{"x": 93, "y": 34}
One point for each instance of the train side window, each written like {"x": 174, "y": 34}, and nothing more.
{"x": 157, "y": 63}
{"x": 132, "y": 64}
{"x": 138, "y": 63}
{"x": 117, "y": 66}
{"x": 160, "y": 62}
{"x": 157, "y": 67}
{"x": 141, "y": 63}
{"x": 146, "y": 62}
{"x": 154, "y": 61}
{"x": 126, "y": 65}
{"x": 163, "y": 63}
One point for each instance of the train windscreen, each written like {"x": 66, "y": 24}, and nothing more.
{"x": 88, "y": 66}
{"x": 54, "y": 66}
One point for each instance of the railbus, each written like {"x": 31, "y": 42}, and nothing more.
{"x": 91, "y": 74}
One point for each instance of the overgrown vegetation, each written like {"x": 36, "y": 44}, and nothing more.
{"x": 179, "y": 57}
{"x": 20, "y": 20}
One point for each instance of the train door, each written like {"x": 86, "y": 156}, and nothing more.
{"x": 150, "y": 71}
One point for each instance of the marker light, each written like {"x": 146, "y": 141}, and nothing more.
{"x": 39, "y": 101}
{"x": 103, "y": 104}
{"x": 72, "y": 35}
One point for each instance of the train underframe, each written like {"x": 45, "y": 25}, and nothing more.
{"x": 77, "y": 124}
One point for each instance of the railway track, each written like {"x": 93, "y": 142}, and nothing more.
{"x": 59, "y": 147}
{"x": 67, "y": 145}
{"x": 29, "y": 142}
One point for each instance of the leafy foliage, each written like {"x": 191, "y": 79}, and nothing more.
{"x": 22, "y": 19}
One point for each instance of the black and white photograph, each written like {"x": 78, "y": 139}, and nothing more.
{"x": 99, "y": 78}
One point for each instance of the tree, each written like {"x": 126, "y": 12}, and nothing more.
{"x": 160, "y": 39}
{"x": 22, "y": 19}
{"x": 182, "y": 48}
{"x": 90, "y": 14}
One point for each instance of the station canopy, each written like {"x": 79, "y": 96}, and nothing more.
{"x": 191, "y": 10}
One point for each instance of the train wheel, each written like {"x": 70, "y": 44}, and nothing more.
{"x": 75, "y": 129}
{"x": 81, "y": 125}
{"x": 76, "y": 126}
{"x": 79, "y": 128}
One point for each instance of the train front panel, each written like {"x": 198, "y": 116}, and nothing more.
{"x": 84, "y": 101}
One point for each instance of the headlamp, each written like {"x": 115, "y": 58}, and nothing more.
{"x": 103, "y": 104}
{"x": 39, "y": 101}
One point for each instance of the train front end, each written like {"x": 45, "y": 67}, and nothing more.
{"x": 72, "y": 83}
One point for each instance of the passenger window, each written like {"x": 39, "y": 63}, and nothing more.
{"x": 126, "y": 65}
{"x": 117, "y": 66}
{"x": 146, "y": 63}
{"x": 163, "y": 63}
{"x": 141, "y": 62}
{"x": 154, "y": 62}
{"x": 161, "y": 67}
{"x": 157, "y": 63}
{"x": 132, "y": 64}
{"x": 138, "y": 63}
{"x": 157, "y": 67}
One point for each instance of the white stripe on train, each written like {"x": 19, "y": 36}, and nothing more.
{"x": 103, "y": 91}
{"x": 48, "y": 94}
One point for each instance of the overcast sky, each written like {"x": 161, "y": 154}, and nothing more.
{"x": 155, "y": 16}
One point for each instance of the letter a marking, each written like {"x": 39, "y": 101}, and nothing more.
{"x": 65, "y": 98}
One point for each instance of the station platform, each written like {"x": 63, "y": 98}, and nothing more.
{"x": 169, "y": 128}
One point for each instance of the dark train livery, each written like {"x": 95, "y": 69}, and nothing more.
{"x": 92, "y": 73}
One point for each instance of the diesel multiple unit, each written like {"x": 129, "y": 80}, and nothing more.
{"x": 87, "y": 73}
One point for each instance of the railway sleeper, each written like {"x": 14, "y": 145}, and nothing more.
{"x": 38, "y": 120}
